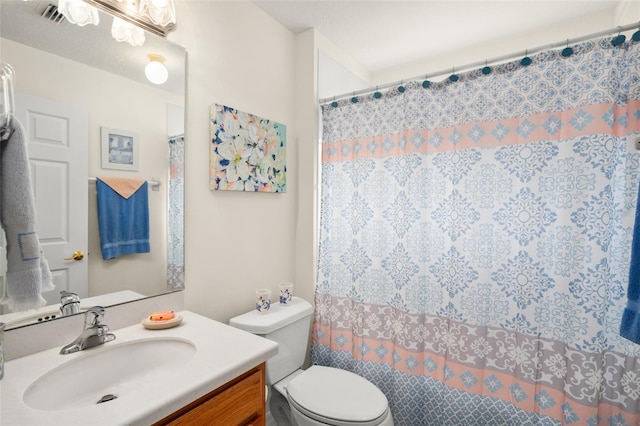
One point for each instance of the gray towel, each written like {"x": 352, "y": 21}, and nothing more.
{"x": 28, "y": 273}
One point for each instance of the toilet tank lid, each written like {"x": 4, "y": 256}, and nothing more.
{"x": 277, "y": 317}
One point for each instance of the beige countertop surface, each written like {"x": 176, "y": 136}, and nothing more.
{"x": 221, "y": 353}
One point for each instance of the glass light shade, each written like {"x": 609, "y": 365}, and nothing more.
{"x": 78, "y": 12}
{"x": 161, "y": 12}
{"x": 155, "y": 70}
{"x": 123, "y": 31}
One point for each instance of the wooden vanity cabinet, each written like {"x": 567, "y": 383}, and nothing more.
{"x": 239, "y": 402}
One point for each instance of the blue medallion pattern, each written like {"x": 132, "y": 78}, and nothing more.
{"x": 524, "y": 216}
{"x": 401, "y": 214}
{"x": 523, "y": 161}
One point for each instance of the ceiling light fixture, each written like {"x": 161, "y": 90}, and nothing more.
{"x": 155, "y": 70}
{"x": 156, "y": 16}
{"x": 130, "y": 17}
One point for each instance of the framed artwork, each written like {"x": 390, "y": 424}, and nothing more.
{"x": 119, "y": 149}
{"x": 247, "y": 153}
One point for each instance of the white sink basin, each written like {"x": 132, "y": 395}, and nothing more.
{"x": 108, "y": 371}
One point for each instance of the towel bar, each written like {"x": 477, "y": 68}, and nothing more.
{"x": 154, "y": 184}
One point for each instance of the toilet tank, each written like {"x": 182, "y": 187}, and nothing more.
{"x": 289, "y": 327}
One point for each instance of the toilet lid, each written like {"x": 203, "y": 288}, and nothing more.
{"x": 331, "y": 393}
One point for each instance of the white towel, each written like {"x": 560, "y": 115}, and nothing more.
{"x": 28, "y": 272}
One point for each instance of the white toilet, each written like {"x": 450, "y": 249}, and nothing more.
{"x": 318, "y": 396}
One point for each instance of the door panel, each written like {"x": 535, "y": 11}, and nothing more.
{"x": 57, "y": 136}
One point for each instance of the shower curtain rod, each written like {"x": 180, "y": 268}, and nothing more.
{"x": 477, "y": 64}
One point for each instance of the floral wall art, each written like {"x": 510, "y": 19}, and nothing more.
{"x": 247, "y": 152}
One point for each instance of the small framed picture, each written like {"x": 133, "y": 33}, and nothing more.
{"x": 119, "y": 149}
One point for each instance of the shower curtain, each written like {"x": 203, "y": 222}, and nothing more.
{"x": 175, "y": 215}
{"x": 475, "y": 240}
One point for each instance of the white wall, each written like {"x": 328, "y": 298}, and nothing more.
{"x": 334, "y": 78}
{"x": 517, "y": 43}
{"x": 143, "y": 110}
{"x": 175, "y": 120}
{"x": 236, "y": 242}
{"x": 307, "y": 123}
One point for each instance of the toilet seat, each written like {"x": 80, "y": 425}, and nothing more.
{"x": 337, "y": 397}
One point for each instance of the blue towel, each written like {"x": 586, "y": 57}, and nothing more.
{"x": 630, "y": 324}
{"x": 123, "y": 223}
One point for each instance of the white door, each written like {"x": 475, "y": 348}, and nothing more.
{"x": 58, "y": 143}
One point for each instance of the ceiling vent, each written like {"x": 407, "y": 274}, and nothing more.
{"x": 51, "y": 14}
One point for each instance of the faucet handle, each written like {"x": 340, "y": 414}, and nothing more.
{"x": 68, "y": 294}
{"x": 93, "y": 316}
{"x": 69, "y": 303}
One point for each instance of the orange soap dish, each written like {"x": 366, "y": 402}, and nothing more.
{"x": 159, "y": 324}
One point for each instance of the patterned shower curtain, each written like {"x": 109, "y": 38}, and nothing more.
{"x": 475, "y": 239}
{"x": 175, "y": 215}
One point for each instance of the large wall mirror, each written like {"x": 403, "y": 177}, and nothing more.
{"x": 66, "y": 69}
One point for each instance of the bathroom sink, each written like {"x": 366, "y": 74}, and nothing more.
{"x": 107, "y": 373}
{"x": 152, "y": 373}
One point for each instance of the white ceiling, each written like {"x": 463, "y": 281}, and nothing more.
{"x": 384, "y": 34}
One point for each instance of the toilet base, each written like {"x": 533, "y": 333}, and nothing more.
{"x": 278, "y": 403}
{"x": 280, "y": 409}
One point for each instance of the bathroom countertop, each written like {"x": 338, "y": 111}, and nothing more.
{"x": 222, "y": 353}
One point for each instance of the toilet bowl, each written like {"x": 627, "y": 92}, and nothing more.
{"x": 326, "y": 395}
{"x": 318, "y": 396}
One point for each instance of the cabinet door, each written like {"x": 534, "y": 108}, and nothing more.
{"x": 238, "y": 403}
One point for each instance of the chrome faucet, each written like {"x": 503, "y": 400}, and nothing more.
{"x": 94, "y": 332}
{"x": 69, "y": 303}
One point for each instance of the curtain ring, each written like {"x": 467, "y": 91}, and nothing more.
{"x": 636, "y": 35}
{"x": 453, "y": 77}
{"x": 619, "y": 39}
{"x": 526, "y": 61}
{"x": 426, "y": 83}
{"x": 487, "y": 69}
{"x": 567, "y": 51}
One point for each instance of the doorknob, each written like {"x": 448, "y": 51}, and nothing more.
{"x": 77, "y": 255}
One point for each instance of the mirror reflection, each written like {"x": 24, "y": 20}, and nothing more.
{"x": 71, "y": 83}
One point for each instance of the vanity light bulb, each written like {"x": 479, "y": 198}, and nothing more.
{"x": 78, "y": 12}
{"x": 122, "y": 30}
{"x": 161, "y": 12}
{"x": 156, "y": 72}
